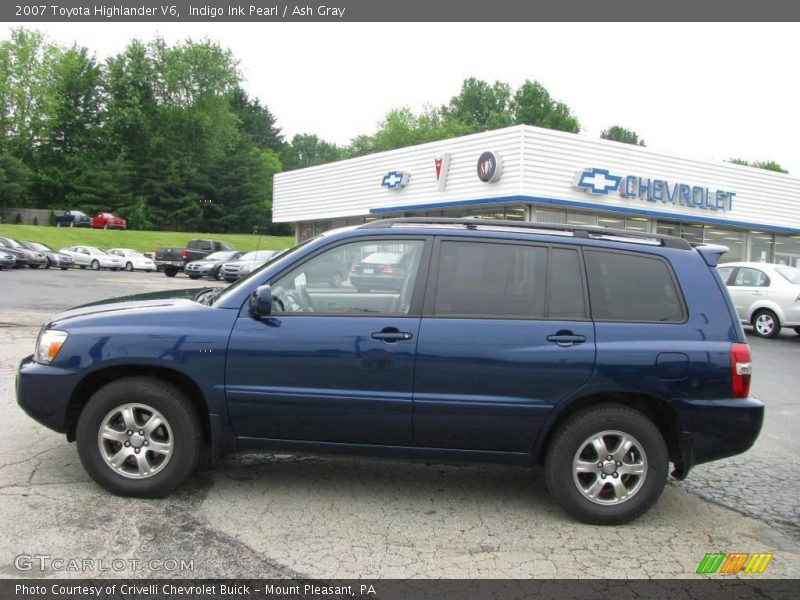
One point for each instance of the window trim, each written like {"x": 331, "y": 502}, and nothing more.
{"x": 428, "y": 310}
{"x": 670, "y": 272}
{"x": 415, "y": 309}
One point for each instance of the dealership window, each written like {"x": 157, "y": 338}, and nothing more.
{"x": 581, "y": 218}
{"x": 734, "y": 240}
{"x": 787, "y": 250}
{"x": 611, "y": 222}
{"x": 480, "y": 279}
{"x": 760, "y": 246}
{"x": 549, "y": 215}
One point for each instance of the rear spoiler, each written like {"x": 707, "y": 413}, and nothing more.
{"x": 711, "y": 253}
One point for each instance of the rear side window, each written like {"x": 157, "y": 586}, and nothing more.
{"x": 632, "y": 287}
{"x": 491, "y": 280}
{"x": 751, "y": 278}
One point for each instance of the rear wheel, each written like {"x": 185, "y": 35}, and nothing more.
{"x": 129, "y": 266}
{"x": 607, "y": 465}
{"x": 766, "y": 324}
{"x": 95, "y": 265}
{"x": 139, "y": 436}
{"x": 336, "y": 281}
{"x": 170, "y": 271}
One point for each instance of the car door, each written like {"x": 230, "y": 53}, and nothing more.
{"x": 748, "y": 287}
{"x": 80, "y": 254}
{"x": 330, "y": 364}
{"x": 505, "y": 335}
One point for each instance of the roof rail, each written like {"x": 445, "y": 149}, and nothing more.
{"x": 579, "y": 231}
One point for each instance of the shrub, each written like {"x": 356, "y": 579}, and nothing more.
{"x": 35, "y": 220}
{"x": 18, "y": 219}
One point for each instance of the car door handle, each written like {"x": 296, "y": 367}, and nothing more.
{"x": 390, "y": 335}
{"x": 758, "y": 293}
{"x": 566, "y": 338}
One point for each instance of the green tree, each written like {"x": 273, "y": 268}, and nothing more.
{"x": 306, "y": 150}
{"x": 533, "y": 105}
{"x": 481, "y": 106}
{"x": 620, "y": 134}
{"x": 14, "y": 179}
{"x": 769, "y": 165}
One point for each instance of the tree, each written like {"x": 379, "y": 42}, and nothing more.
{"x": 306, "y": 150}
{"x": 769, "y": 165}
{"x": 481, "y": 106}
{"x": 533, "y": 105}
{"x": 620, "y": 134}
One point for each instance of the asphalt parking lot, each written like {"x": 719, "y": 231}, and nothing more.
{"x": 280, "y": 515}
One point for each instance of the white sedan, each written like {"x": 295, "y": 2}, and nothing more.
{"x": 766, "y": 296}
{"x": 89, "y": 256}
{"x": 133, "y": 259}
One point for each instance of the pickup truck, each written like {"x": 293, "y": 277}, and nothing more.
{"x": 173, "y": 260}
{"x": 105, "y": 220}
{"x": 169, "y": 260}
{"x": 73, "y": 218}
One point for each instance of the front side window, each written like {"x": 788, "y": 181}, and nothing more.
{"x": 747, "y": 277}
{"x": 632, "y": 287}
{"x": 366, "y": 277}
{"x": 491, "y": 280}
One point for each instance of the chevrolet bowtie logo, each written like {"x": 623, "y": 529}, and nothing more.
{"x": 598, "y": 181}
{"x": 395, "y": 179}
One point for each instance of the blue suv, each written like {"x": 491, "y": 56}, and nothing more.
{"x": 603, "y": 355}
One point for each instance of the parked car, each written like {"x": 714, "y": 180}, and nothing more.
{"x": 245, "y": 264}
{"x": 766, "y": 296}
{"x": 197, "y": 249}
{"x": 380, "y": 271}
{"x": 603, "y": 354}
{"x": 73, "y": 218}
{"x": 54, "y": 259}
{"x": 105, "y": 220}
{"x": 89, "y": 256}
{"x": 32, "y": 258}
{"x": 169, "y": 260}
{"x": 210, "y": 265}
{"x": 133, "y": 259}
{"x": 7, "y": 261}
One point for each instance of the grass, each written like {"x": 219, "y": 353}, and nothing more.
{"x": 144, "y": 241}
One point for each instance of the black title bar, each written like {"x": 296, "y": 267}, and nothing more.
{"x": 337, "y": 11}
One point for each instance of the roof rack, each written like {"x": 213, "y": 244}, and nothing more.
{"x": 578, "y": 231}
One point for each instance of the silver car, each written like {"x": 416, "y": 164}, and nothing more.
{"x": 766, "y": 296}
{"x": 245, "y": 264}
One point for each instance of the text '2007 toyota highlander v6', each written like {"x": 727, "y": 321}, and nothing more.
{"x": 604, "y": 355}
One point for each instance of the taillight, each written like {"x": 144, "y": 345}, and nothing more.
{"x": 353, "y": 269}
{"x": 185, "y": 254}
{"x": 741, "y": 369}
{"x": 387, "y": 270}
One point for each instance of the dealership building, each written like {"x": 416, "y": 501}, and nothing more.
{"x": 526, "y": 173}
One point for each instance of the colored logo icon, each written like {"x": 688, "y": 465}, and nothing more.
{"x": 395, "y": 179}
{"x": 490, "y": 167}
{"x": 598, "y": 181}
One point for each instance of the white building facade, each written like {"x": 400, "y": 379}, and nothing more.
{"x": 532, "y": 174}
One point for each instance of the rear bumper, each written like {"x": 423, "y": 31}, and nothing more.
{"x": 714, "y": 429}
{"x": 43, "y": 392}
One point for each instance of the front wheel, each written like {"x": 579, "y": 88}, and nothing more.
{"x": 129, "y": 266}
{"x": 607, "y": 465}
{"x": 139, "y": 436}
{"x": 766, "y": 324}
{"x": 170, "y": 271}
{"x": 95, "y": 265}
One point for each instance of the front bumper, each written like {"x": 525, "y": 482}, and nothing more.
{"x": 714, "y": 429}
{"x": 43, "y": 392}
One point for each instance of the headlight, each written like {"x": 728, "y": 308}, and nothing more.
{"x": 49, "y": 344}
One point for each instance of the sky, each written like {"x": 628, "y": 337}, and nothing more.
{"x": 703, "y": 91}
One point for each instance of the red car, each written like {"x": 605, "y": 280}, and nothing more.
{"x": 105, "y": 220}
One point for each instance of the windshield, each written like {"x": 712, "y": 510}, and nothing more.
{"x": 221, "y": 256}
{"x": 38, "y": 246}
{"x": 255, "y": 274}
{"x": 791, "y": 274}
{"x": 94, "y": 250}
{"x": 77, "y": 213}
{"x": 11, "y": 243}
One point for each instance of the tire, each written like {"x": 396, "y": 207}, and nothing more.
{"x": 58, "y": 224}
{"x": 765, "y": 323}
{"x": 570, "y": 488}
{"x": 95, "y": 265}
{"x": 180, "y": 437}
{"x": 129, "y": 266}
{"x": 194, "y": 276}
{"x": 219, "y": 276}
{"x": 72, "y": 223}
{"x": 105, "y": 226}
{"x": 170, "y": 271}
{"x": 336, "y": 281}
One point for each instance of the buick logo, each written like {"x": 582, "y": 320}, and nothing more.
{"x": 490, "y": 167}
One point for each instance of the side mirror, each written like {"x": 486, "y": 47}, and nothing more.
{"x": 261, "y": 301}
